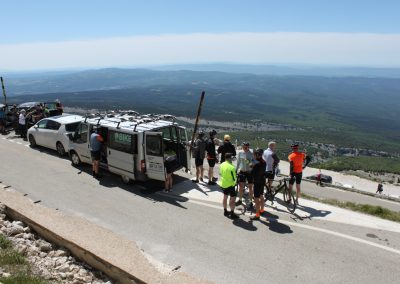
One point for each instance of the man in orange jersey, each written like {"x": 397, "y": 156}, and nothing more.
{"x": 298, "y": 161}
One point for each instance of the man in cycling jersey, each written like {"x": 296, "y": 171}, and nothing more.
{"x": 211, "y": 156}
{"x": 258, "y": 174}
{"x": 226, "y": 147}
{"x": 272, "y": 161}
{"x": 227, "y": 183}
{"x": 298, "y": 161}
{"x": 199, "y": 153}
{"x": 245, "y": 162}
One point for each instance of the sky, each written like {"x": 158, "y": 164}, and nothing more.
{"x": 44, "y": 34}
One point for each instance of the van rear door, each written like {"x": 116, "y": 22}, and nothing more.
{"x": 184, "y": 149}
{"x": 154, "y": 155}
{"x": 121, "y": 150}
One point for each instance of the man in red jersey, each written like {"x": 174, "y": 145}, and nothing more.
{"x": 296, "y": 160}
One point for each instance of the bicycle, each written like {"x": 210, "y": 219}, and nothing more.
{"x": 288, "y": 196}
{"x": 243, "y": 206}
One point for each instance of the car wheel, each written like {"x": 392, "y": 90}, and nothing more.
{"x": 32, "y": 141}
{"x": 76, "y": 161}
{"x": 60, "y": 149}
{"x": 125, "y": 179}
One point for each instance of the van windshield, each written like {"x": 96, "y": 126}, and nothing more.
{"x": 71, "y": 127}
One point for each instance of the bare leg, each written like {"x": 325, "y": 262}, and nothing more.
{"x": 225, "y": 201}
{"x": 297, "y": 192}
{"x": 251, "y": 192}
{"x": 201, "y": 172}
{"x": 171, "y": 181}
{"x": 241, "y": 189}
{"x": 262, "y": 202}
{"x": 232, "y": 203}
{"x": 197, "y": 173}
{"x": 290, "y": 190}
{"x": 210, "y": 173}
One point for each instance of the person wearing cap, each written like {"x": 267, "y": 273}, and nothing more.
{"x": 22, "y": 124}
{"x": 258, "y": 174}
{"x": 211, "y": 156}
{"x": 199, "y": 153}
{"x": 298, "y": 161}
{"x": 59, "y": 107}
{"x": 226, "y": 147}
{"x": 245, "y": 162}
{"x": 227, "y": 183}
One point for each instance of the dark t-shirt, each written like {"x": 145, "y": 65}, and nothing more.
{"x": 210, "y": 147}
{"x": 258, "y": 172}
{"x": 227, "y": 147}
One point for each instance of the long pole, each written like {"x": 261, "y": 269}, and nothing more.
{"x": 4, "y": 91}
{"x": 197, "y": 119}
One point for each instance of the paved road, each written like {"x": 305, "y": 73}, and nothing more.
{"x": 187, "y": 228}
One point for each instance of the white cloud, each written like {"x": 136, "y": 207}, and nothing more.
{"x": 258, "y": 48}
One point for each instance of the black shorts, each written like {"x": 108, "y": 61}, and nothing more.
{"x": 295, "y": 177}
{"x": 199, "y": 162}
{"x": 270, "y": 175}
{"x": 243, "y": 176}
{"x": 258, "y": 190}
{"x": 229, "y": 191}
{"x": 96, "y": 155}
{"x": 211, "y": 162}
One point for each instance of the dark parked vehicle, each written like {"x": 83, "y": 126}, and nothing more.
{"x": 324, "y": 178}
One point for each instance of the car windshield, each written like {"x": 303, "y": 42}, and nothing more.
{"x": 71, "y": 127}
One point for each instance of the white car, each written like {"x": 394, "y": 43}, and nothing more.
{"x": 52, "y": 132}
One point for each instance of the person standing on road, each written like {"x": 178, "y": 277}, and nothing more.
{"x": 226, "y": 147}
{"x": 272, "y": 161}
{"x": 227, "y": 183}
{"x": 96, "y": 143}
{"x": 319, "y": 178}
{"x": 22, "y": 124}
{"x": 380, "y": 188}
{"x": 258, "y": 173}
{"x": 296, "y": 160}
{"x": 199, "y": 153}
{"x": 211, "y": 157}
{"x": 244, "y": 164}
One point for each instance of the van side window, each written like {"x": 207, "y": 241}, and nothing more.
{"x": 42, "y": 124}
{"x": 153, "y": 145}
{"x": 123, "y": 142}
{"x": 82, "y": 133}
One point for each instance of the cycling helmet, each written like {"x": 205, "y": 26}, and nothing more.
{"x": 245, "y": 144}
{"x": 295, "y": 145}
{"x": 259, "y": 151}
{"x": 201, "y": 133}
{"x": 213, "y": 132}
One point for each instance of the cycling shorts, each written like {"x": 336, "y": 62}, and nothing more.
{"x": 243, "y": 176}
{"x": 295, "y": 177}
{"x": 258, "y": 190}
{"x": 229, "y": 191}
{"x": 270, "y": 175}
{"x": 96, "y": 155}
{"x": 198, "y": 162}
{"x": 211, "y": 162}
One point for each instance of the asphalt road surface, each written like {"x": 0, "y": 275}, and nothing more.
{"x": 187, "y": 229}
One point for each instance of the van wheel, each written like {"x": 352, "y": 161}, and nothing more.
{"x": 60, "y": 149}
{"x": 32, "y": 141}
{"x": 125, "y": 179}
{"x": 75, "y": 159}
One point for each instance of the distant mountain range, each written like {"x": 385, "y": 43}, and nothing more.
{"x": 358, "y": 104}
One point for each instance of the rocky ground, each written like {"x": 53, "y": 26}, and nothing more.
{"x": 52, "y": 263}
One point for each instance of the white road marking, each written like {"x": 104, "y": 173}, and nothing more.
{"x": 19, "y": 143}
{"x": 329, "y": 232}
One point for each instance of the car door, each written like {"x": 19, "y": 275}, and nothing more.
{"x": 121, "y": 148}
{"x": 81, "y": 144}
{"x": 50, "y": 134}
{"x": 38, "y": 132}
{"x": 154, "y": 155}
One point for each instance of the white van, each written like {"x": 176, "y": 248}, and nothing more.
{"x": 135, "y": 146}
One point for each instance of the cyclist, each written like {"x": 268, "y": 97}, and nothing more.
{"x": 258, "y": 173}
{"x": 298, "y": 161}
{"x": 244, "y": 164}
{"x": 211, "y": 157}
{"x": 227, "y": 183}
{"x": 199, "y": 153}
{"x": 226, "y": 147}
{"x": 272, "y": 161}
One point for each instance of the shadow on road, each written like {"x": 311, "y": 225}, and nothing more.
{"x": 277, "y": 227}
{"x": 149, "y": 189}
{"x": 247, "y": 225}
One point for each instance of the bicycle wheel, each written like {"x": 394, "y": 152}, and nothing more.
{"x": 240, "y": 209}
{"x": 288, "y": 197}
